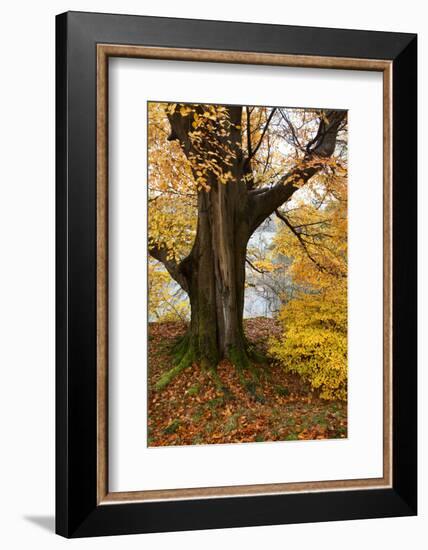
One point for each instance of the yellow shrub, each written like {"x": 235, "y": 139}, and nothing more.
{"x": 314, "y": 340}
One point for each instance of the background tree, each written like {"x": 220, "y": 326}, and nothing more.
{"x": 235, "y": 166}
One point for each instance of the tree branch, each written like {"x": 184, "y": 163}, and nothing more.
{"x": 261, "y": 271}
{"x": 263, "y": 204}
{"x": 174, "y": 269}
{"x": 304, "y": 245}
{"x": 256, "y": 148}
{"x": 300, "y": 239}
{"x": 295, "y": 139}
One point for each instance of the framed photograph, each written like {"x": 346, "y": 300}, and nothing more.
{"x": 236, "y": 274}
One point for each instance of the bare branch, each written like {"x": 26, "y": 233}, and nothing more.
{"x": 295, "y": 139}
{"x": 261, "y": 271}
{"x": 300, "y": 239}
{"x": 264, "y": 203}
{"x": 304, "y": 245}
{"x": 256, "y": 148}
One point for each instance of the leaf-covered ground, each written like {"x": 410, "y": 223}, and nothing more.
{"x": 191, "y": 410}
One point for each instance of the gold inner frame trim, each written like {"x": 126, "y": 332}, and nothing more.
{"x": 104, "y": 51}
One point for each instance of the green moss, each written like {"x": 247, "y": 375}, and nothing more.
{"x": 251, "y": 387}
{"x": 197, "y": 415}
{"x": 206, "y": 333}
{"x": 283, "y": 392}
{"x": 256, "y": 355}
{"x": 172, "y": 427}
{"x": 210, "y": 427}
{"x": 187, "y": 359}
{"x": 232, "y": 422}
{"x": 180, "y": 348}
{"x": 194, "y": 390}
{"x": 238, "y": 357}
{"x": 207, "y": 363}
{"x": 213, "y": 404}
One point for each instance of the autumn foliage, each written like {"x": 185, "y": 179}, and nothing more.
{"x": 314, "y": 322}
{"x": 247, "y": 205}
{"x": 314, "y": 340}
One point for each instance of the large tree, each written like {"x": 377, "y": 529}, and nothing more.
{"x": 239, "y": 179}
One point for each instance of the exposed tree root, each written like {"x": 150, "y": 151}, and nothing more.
{"x": 240, "y": 358}
{"x": 185, "y": 353}
{"x": 212, "y": 373}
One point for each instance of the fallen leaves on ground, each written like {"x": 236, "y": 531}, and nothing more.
{"x": 191, "y": 410}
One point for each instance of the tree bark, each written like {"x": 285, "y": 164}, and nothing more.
{"x": 216, "y": 274}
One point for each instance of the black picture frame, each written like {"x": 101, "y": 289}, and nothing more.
{"x": 77, "y": 511}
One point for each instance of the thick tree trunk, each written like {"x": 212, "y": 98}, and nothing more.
{"x": 216, "y": 274}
